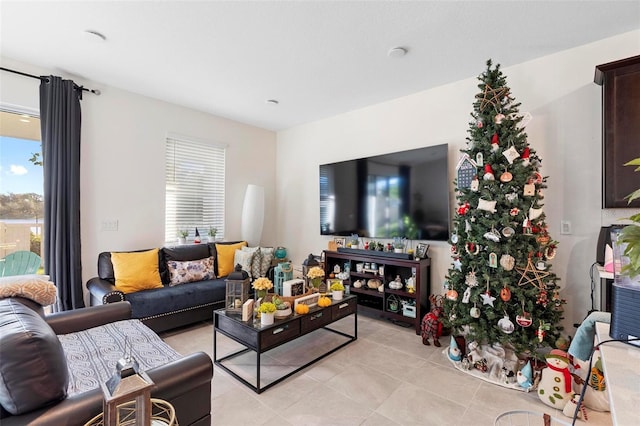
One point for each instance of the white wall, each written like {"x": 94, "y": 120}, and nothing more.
{"x": 122, "y": 162}
{"x": 558, "y": 90}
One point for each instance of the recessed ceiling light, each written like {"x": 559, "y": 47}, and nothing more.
{"x": 397, "y": 52}
{"x": 95, "y": 35}
{"x": 272, "y": 101}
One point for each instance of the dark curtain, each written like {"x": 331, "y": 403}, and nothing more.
{"x": 60, "y": 119}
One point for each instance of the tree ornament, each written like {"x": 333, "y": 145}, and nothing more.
{"x": 498, "y": 118}
{"x": 511, "y": 197}
{"x": 454, "y": 250}
{"x": 495, "y": 143}
{"x": 505, "y": 325}
{"x": 487, "y": 298}
{"x": 452, "y": 294}
{"x": 514, "y": 211}
{"x": 471, "y": 280}
{"x": 505, "y": 293}
{"x": 508, "y": 231}
{"x": 534, "y": 213}
{"x": 506, "y": 177}
{"x": 542, "y": 328}
{"x": 511, "y": 154}
{"x": 492, "y": 235}
{"x": 466, "y": 170}
{"x": 454, "y": 238}
{"x": 524, "y": 320}
{"x": 525, "y": 156}
{"x": 457, "y": 265}
{"x": 488, "y": 172}
{"x": 531, "y": 276}
{"x": 493, "y": 260}
{"x": 537, "y": 178}
{"x": 479, "y": 159}
{"x": 529, "y": 189}
{"x": 475, "y": 311}
{"x": 479, "y": 124}
{"x": 550, "y": 251}
{"x": 463, "y": 209}
{"x": 467, "y": 226}
{"x": 491, "y": 97}
{"x": 542, "y": 298}
{"x": 467, "y": 295}
{"x": 507, "y": 262}
{"x": 486, "y": 205}
{"x": 475, "y": 184}
{"x": 472, "y": 248}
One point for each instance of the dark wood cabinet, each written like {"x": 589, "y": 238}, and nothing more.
{"x": 620, "y": 81}
{"x": 397, "y": 305}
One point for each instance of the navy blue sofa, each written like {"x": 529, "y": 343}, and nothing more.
{"x": 167, "y": 307}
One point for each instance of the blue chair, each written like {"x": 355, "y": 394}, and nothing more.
{"x": 20, "y": 263}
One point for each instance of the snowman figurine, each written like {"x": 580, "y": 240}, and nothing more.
{"x": 554, "y": 388}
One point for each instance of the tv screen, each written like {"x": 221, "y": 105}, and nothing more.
{"x": 401, "y": 194}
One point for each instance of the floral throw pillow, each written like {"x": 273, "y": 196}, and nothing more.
{"x": 190, "y": 271}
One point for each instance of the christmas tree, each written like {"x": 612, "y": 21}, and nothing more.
{"x": 500, "y": 288}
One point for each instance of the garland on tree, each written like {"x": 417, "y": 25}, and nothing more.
{"x": 500, "y": 288}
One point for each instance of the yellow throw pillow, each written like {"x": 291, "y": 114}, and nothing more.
{"x": 226, "y": 253}
{"x": 135, "y": 271}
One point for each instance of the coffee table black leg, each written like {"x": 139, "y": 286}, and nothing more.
{"x": 258, "y": 371}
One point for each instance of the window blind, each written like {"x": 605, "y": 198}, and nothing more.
{"x": 194, "y": 195}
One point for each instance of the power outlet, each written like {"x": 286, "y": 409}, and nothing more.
{"x": 565, "y": 227}
{"x": 109, "y": 225}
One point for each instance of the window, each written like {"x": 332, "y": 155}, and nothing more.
{"x": 21, "y": 184}
{"x": 194, "y": 194}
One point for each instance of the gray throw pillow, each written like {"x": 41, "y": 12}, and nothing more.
{"x": 33, "y": 371}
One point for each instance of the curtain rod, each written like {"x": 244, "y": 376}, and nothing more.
{"x": 94, "y": 91}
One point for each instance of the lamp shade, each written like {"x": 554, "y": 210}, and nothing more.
{"x": 252, "y": 215}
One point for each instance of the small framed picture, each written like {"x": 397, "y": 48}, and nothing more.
{"x": 421, "y": 250}
{"x": 340, "y": 242}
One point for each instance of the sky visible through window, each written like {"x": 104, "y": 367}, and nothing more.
{"x": 17, "y": 174}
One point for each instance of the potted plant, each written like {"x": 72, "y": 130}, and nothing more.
{"x": 316, "y": 274}
{"x": 267, "y": 312}
{"x": 630, "y": 235}
{"x": 337, "y": 290}
{"x": 261, "y": 286}
{"x": 182, "y": 235}
{"x": 283, "y": 308}
{"x": 398, "y": 245}
{"x": 212, "y": 233}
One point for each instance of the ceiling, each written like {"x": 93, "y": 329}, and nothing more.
{"x": 317, "y": 58}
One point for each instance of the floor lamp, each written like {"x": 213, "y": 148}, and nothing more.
{"x": 252, "y": 215}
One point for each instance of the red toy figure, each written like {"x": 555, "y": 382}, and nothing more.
{"x": 431, "y": 324}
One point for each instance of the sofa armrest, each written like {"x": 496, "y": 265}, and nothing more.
{"x": 185, "y": 383}
{"x": 103, "y": 291}
{"x": 82, "y": 319}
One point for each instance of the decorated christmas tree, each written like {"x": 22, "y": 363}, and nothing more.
{"x": 500, "y": 288}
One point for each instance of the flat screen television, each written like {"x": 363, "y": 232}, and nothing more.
{"x": 401, "y": 194}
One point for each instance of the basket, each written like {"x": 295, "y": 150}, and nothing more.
{"x": 528, "y": 418}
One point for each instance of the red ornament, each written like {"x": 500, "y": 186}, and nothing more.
{"x": 494, "y": 142}
{"x": 525, "y": 153}
{"x": 463, "y": 209}
{"x": 488, "y": 172}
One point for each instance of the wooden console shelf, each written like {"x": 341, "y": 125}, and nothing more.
{"x": 378, "y": 302}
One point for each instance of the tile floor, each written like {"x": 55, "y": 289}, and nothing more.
{"x": 386, "y": 377}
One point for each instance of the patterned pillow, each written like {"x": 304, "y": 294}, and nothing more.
{"x": 42, "y": 292}
{"x": 244, "y": 259}
{"x": 255, "y": 261}
{"x": 190, "y": 271}
{"x": 266, "y": 254}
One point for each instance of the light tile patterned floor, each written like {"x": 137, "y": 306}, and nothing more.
{"x": 386, "y": 377}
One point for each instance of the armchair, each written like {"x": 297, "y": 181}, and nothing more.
{"x": 185, "y": 382}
